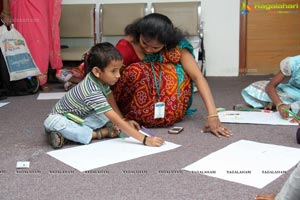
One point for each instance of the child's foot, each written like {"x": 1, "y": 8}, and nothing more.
{"x": 56, "y": 140}
{"x": 265, "y": 197}
{"x": 108, "y": 131}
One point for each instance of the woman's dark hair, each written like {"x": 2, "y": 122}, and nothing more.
{"x": 101, "y": 55}
{"x": 155, "y": 26}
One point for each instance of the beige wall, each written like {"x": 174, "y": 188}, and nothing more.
{"x": 221, "y": 29}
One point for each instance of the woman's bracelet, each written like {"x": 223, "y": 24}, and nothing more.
{"x": 145, "y": 138}
{"x": 278, "y": 105}
{"x": 212, "y": 116}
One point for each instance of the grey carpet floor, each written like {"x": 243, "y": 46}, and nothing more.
{"x": 155, "y": 177}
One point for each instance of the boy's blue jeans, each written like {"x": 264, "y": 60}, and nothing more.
{"x": 73, "y": 131}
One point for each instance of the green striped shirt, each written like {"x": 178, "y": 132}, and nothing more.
{"x": 87, "y": 96}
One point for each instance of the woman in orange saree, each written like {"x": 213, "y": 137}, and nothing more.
{"x": 156, "y": 84}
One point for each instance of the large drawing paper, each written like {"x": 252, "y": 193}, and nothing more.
{"x": 52, "y": 95}
{"x": 3, "y": 104}
{"x": 253, "y": 117}
{"x": 246, "y": 162}
{"x": 103, "y": 153}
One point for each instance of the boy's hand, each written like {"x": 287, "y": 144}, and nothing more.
{"x": 134, "y": 124}
{"x": 154, "y": 141}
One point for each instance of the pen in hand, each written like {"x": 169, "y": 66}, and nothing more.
{"x": 148, "y": 131}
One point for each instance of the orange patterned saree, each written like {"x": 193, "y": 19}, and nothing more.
{"x": 136, "y": 91}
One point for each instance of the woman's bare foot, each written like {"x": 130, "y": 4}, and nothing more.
{"x": 265, "y": 197}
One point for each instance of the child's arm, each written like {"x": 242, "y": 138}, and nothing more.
{"x": 271, "y": 91}
{"x": 111, "y": 100}
{"x": 123, "y": 125}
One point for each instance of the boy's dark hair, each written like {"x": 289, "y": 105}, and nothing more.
{"x": 101, "y": 55}
{"x": 155, "y": 26}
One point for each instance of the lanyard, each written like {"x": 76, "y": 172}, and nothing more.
{"x": 156, "y": 83}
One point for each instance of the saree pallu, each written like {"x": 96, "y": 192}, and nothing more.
{"x": 136, "y": 94}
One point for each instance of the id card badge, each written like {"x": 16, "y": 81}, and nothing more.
{"x": 159, "y": 110}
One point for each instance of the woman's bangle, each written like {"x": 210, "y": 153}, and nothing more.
{"x": 145, "y": 138}
{"x": 278, "y": 105}
{"x": 212, "y": 116}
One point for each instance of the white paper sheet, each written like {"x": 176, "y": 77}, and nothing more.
{"x": 52, "y": 95}
{"x": 3, "y": 104}
{"x": 246, "y": 162}
{"x": 253, "y": 117}
{"x": 103, "y": 153}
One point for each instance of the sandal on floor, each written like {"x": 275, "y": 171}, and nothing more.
{"x": 56, "y": 140}
{"x": 111, "y": 131}
{"x": 99, "y": 134}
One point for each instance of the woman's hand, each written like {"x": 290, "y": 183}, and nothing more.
{"x": 214, "y": 126}
{"x": 154, "y": 141}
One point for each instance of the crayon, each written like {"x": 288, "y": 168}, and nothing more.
{"x": 232, "y": 114}
{"x": 221, "y": 109}
{"x": 148, "y": 131}
{"x": 256, "y": 109}
{"x": 74, "y": 118}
